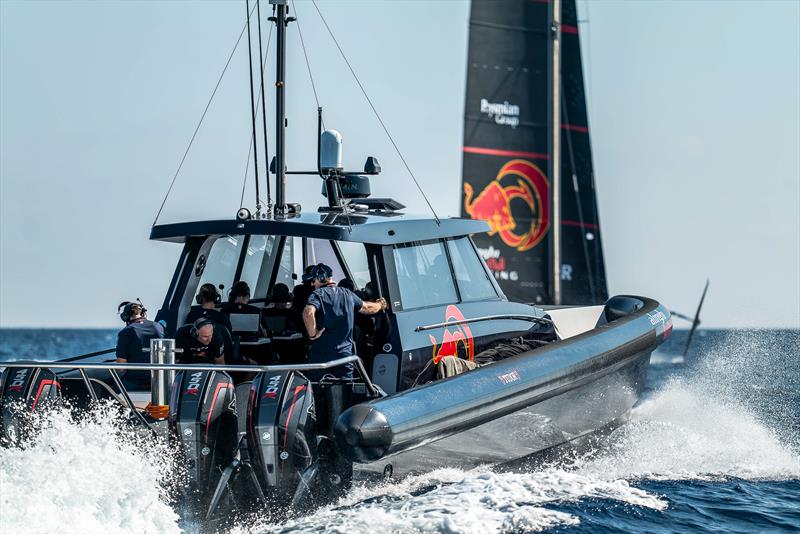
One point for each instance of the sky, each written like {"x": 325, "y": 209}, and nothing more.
{"x": 694, "y": 112}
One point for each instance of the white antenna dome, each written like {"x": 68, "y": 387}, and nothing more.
{"x": 330, "y": 148}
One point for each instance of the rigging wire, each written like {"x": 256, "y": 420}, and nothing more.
{"x": 252, "y": 101}
{"x": 263, "y": 106}
{"x": 375, "y": 111}
{"x": 200, "y": 122}
{"x": 250, "y": 148}
{"x": 246, "y": 169}
{"x": 308, "y": 64}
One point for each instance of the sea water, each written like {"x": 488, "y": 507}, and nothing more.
{"x": 713, "y": 445}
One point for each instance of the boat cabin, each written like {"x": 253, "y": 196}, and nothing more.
{"x": 429, "y": 272}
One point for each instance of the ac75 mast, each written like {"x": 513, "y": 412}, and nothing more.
{"x": 554, "y": 160}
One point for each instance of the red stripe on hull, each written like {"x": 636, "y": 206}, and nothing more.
{"x": 575, "y": 128}
{"x": 589, "y": 226}
{"x": 567, "y": 28}
{"x": 504, "y": 153}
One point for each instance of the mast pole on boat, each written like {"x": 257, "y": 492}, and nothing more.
{"x": 554, "y": 160}
{"x": 281, "y": 21}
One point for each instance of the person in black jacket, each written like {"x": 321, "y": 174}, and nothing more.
{"x": 239, "y": 300}
{"x": 201, "y": 342}
{"x": 208, "y": 298}
{"x": 132, "y": 339}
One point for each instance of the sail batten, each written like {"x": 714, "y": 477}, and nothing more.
{"x": 507, "y": 154}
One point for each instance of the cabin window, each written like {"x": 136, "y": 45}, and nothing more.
{"x": 220, "y": 265}
{"x": 355, "y": 256}
{"x": 423, "y": 275}
{"x": 258, "y": 262}
{"x": 471, "y": 276}
{"x": 321, "y": 251}
{"x": 286, "y": 267}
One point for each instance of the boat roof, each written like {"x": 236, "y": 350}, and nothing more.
{"x": 380, "y": 228}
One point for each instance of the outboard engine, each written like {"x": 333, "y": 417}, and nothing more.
{"x": 282, "y": 437}
{"x": 202, "y": 417}
{"x": 24, "y": 390}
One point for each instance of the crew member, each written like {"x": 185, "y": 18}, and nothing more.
{"x": 208, "y": 298}
{"x": 239, "y": 300}
{"x": 278, "y": 316}
{"x": 132, "y": 339}
{"x": 332, "y": 336}
{"x": 201, "y": 342}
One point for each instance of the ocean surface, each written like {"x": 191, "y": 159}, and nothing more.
{"x": 713, "y": 446}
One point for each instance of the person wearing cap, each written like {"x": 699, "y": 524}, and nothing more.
{"x": 134, "y": 337}
{"x": 332, "y": 334}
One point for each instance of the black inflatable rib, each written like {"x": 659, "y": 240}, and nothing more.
{"x": 371, "y": 431}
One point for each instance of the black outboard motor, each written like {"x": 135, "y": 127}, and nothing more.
{"x": 24, "y": 390}
{"x": 202, "y": 417}
{"x": 281, "y": 436}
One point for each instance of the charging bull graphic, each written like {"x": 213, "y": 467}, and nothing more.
{"x": 524, "y": 182}
{"x": 452, "y": 340}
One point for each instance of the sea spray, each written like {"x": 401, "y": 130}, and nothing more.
{"x": 682, "y": 433}
{"x": 729, "y": 412}
{"x": 452, "y": 500}
{"x": 90, "y": 474}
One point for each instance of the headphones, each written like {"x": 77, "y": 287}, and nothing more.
{"x": 195, "y": 330}
{"x": 125, "y": 309}
{"x": 208, "y": 291}
{"x": 320, "y": 272}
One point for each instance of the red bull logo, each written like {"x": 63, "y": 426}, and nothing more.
{"x": 517, "y": 181}
{"x": 461, "y": 337}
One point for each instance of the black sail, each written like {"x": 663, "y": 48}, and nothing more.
{"x": 505, "y": 154}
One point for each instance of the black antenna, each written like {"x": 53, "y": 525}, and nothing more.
{"x": 252, "y": 105}
{"x": 263, "y": 105}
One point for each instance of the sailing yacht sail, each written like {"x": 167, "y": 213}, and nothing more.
{"x": 508, "y": 152}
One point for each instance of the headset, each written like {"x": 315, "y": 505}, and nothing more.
{"x": 320, "y": 272}
{"x": 208, "y": 290}
{"x": 125, "y": 309}
{"x": 195, "y": 330}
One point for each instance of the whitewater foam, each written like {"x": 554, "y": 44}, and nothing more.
{"x": 88, "y": 476}
{"x": 680, "y": 433}
{"x": 455, "y": 501}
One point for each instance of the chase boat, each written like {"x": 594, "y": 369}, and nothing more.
{"x": 271, "y": 435}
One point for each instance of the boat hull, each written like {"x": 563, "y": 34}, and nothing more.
{"x": 565, "y": 417}
{"x": 513, "y": 408}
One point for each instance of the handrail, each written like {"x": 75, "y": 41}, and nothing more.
{"x": 517, "y": 317}
{"x": 194, "y": 367}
